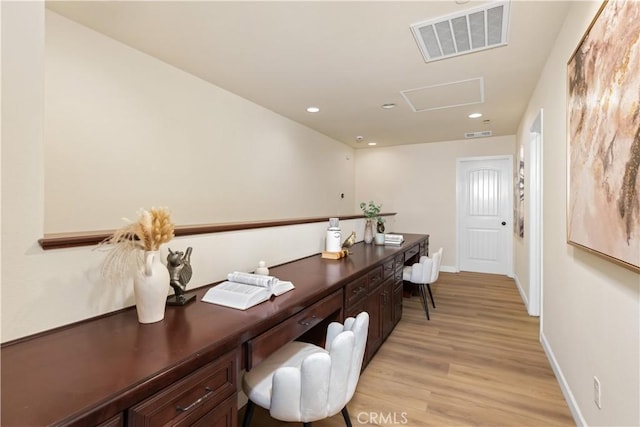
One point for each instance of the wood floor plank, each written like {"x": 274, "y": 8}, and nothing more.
{"x": 477, "y": 362}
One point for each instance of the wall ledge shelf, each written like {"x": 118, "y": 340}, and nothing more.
{"x": 90, "y": 238}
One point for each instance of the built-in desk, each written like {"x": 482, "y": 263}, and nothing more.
{"x": 113, "y": 371}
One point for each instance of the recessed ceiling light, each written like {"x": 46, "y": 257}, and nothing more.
{"x": 313, "y": 109}
{"x": 388, "y": 105}
{"x": 372, "y": 143}
{"x": 475, "y": 115}
{"x": 359, "y": 138}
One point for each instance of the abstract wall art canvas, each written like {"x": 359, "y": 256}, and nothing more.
{"x": 519, "y": 200}
{"x": 603, "y": 126}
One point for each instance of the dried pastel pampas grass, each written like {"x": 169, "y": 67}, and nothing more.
{"x": 154, "y": 227}
{"x": 127, "y": 244}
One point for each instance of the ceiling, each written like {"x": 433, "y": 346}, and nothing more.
{"x": 346, "y": 57}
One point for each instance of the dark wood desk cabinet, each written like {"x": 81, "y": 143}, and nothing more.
{"x": 184, "y": 371}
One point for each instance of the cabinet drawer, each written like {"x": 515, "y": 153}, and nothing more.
{"x": 116, "y": 421}
{"x": 399, "y": 261}
{"x": 354, "y": 310}
{"x": 411, "y": 252}
{"x": 374, "y": 277}
{"x": 355, "y": 291}
{"x": 190, "y": 398}
{"x": 398, "y": 275}
{"x": 266, "y": 343}
{"x": 224, "y": 415}
{"x": 387, "y": 269}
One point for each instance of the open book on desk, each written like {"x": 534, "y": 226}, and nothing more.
{"x": 244, "y": 290}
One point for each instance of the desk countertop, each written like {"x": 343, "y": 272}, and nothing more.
{"x": 101, "y": 366}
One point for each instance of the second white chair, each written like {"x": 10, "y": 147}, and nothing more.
{"x": 423, "y": 274}
{"x": 303, "y": 382}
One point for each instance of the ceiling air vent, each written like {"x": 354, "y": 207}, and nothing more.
{"x": 472, "y": 30}
{"x": 480, "y": 134}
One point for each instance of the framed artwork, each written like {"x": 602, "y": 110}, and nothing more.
{"x": 519, "y": 199}
{"x": 603, "y": 127}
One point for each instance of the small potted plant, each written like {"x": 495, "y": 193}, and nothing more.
{"x": 371, "y": 212}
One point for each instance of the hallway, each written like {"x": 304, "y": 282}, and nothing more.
{"x": 478, "y": 362}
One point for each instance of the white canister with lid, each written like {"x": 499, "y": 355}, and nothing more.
{"x": 334, "y": 236}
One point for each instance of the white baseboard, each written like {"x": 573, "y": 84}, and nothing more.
{"x": 564, "y": 386}
{"x": 449, "y": 269}
{"x": 523, "y": 294}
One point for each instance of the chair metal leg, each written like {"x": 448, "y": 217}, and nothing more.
{"x": 248, "y": 413}
{"x": 431, "y": 295}
{"x": 345, "y": 415}
{"x": 423, "y": 293}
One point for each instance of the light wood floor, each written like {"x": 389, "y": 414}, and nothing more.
{"x": 478, "y": 362}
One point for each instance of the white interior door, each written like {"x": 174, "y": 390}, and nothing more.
{"x": 485, "y": 214}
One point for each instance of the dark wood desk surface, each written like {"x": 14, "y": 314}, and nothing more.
{"x": 94, "y": 369}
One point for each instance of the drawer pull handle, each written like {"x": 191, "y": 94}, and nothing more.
{"x": 359, "y": 290}
{"x": 208, "y": 393}
{"x": 308, "y": 322}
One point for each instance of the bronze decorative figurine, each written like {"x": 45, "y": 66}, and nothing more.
{"x": 344, "y": 249}
{"x": 179, "y": 266}
{"x": 348, "y": 242}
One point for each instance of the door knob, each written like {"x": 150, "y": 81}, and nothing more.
{"x": 504, "y": 223}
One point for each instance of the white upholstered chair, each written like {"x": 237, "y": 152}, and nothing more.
{"x": 423, "y": 274}
{"x": 302, "y": 382}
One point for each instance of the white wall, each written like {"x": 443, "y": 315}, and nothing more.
{"x": 418, "y": 182}
{"x": 591, "y": 307}
{"x": 22, "y": 160}
{"x": 521, "y": 244}
{"x": 45, "y": 289}
{"x": 124, "y": 130}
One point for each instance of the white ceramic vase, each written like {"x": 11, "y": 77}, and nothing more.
{"x": 151, "y": 287}
{"x": 368, "y": 231}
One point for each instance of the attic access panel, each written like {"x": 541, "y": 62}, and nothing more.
{"x": 445, "y": 95}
